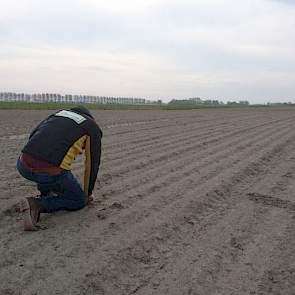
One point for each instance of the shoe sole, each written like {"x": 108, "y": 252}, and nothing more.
{"x": 28, "y": 223}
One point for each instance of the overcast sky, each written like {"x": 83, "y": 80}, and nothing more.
{"x": 217, "y": 49}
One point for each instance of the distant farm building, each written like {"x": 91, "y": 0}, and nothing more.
{"x": 194, "y": 101}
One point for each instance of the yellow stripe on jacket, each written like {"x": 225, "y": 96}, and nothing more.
{"x": 87, "y": 165}
{"x": 75, "y": 150}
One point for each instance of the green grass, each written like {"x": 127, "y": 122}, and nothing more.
{"x": 57, "y": 106}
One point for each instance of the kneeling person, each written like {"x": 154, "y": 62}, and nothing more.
{"x": 47, "y": 158}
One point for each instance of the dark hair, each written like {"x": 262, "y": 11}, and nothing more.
{"x": 82, "y": 110}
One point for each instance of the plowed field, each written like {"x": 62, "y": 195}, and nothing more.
{"x": 188, "y": 202}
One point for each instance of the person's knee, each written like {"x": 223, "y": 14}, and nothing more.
{"x": 80, "y": 202}
{"x": 72, "y": 190}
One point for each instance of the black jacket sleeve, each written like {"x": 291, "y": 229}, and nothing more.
{"x": 93, "y": 154}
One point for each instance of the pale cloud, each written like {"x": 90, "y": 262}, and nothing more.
{"x": 127, "y": 6}
{"x": 151, "y": 48}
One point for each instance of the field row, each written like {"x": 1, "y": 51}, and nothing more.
{"x": 187, "y": 204}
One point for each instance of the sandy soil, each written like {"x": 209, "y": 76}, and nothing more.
{"x": 188, "y": 202}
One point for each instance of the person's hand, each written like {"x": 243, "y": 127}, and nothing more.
{"x": 90, "y": 200}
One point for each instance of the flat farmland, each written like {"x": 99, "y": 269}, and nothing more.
{"x": 187, "y": 202}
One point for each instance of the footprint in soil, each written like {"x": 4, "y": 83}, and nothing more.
{"x": 104, "y": 212}
{"x": 236, "y": 244}
{"x": 116, "y": 205}
{"x": 101, "y": 215}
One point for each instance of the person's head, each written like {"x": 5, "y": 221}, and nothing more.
{"x": 82, "y": 110}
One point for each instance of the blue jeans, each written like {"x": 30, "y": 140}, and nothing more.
{"x": 59, "y": 192}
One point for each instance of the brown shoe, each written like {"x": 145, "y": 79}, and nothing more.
{"x": 32, "y": 208}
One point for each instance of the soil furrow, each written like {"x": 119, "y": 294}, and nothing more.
{"x": 224, "y": 259}
{"x": 211, "y": 213}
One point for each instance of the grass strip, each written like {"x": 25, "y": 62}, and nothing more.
{"x": 57, "y": 106}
